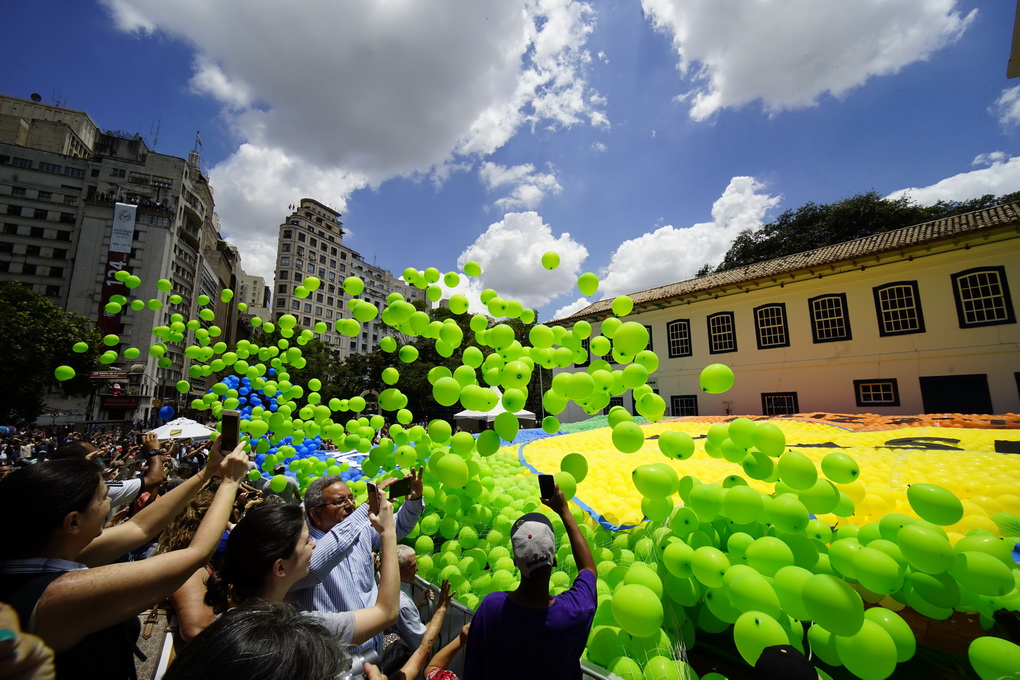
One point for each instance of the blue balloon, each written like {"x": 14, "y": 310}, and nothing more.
{"x": 166, "y": 413}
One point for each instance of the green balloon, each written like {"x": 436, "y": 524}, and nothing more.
{"x": 742, "y": 504}
{"x": 935, "y": 504}
{"x": 869, "y": 653}
{"x": 769, "y": 439}
{"x": 788, "y": 514}
{"x": 506, "y": 426}
{"x": 797, "y": 470}
{"x": 628, "y": 437}
{"x": 925, "y": 549}
{"x": 656, "y": 509}
{"x": 716, "y": 378}
{"x": 576, "y": 464}
{"x": 768, "y": 554}
{"x": 637, "y": 609}
{"x": 551, "y": 260}
{"x": 898, "y": 630}
{"x": 63, "y": 373}
{"x": 408, "y": 353}
{"x": 877, "y": 571}
{"x": 840, "y": 468}
{"x": 750, "y": 591}
{"x": 678, "y": 558}
{"x": 675, "y": 444}
{"x": 278, "y": 483}
{"x": 625, "y": 668}
{"x": 622, "y": 305}
{"x": 994, "y": 658}
{"x": 588, "y": 283}
{"x": 706, "y": 500}
{"x": 567, "y": 484}
{"x": 754, "y": 631}
{"x": 656, "y": 480}
{"x": 833, "y": 604}
{"x": 983, "y": 574}
{"x": 710, "y": 565}
{"x": 788, "y": 583}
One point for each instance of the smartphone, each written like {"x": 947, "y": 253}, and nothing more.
{"x": 546, "y": 486}
{"x": 399, "y": 488}
{"x": 230, "y": 430}
{"x": 373, "y": 498}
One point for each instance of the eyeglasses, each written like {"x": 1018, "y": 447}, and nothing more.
{"x": 340, "y": 502}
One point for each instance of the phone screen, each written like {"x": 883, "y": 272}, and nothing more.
{"x": 546, "y": 486}
{"x": 230, "y": 430}
{"x": 373, "y": 498}
{"x": 400, "y": 488}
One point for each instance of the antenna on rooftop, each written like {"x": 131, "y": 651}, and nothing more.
{"x": 155, "y": 136}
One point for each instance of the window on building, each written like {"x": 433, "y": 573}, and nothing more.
{"x": 722, "y": 334}
{"x": 34, "y": 251}
{"x": 68, "y": 218}
{"x": 586, "y": 348}
{"x": 343, "y": 268}
{"x": 354, "y": 344}
{"x": 343, "y": 254}
{"x": 288, "y": 233}
{"x": 329, "y": 313}
{"x": 60, "y": 253}
{"x": 322, "y": 259}
{"x": 332, "y": 251}
{"x": 5, "y": 266}
{"x": 301, "y": 237}
{"x": 332, "y": 276}
{"x": 52, "y": 291}
{"x": 830, "y": 319}
{"x": 282, "y": 289}
{"x": 779, "y": 403}
{"x": 295, "y": 304}
{"x": 308, "y": 308}
{"x": 118, "y": 172}
{"x": 613, "y": 401}
{"x": 285, "y": 248}
{"x": 49, "y": 167}
{"x": 299, "y": 263}
{"x": 298, "y": 276}
{"x": 28, "y": 268}
{"x": 332, "y": 264}
{"x": 6, "y": 247}
{"x": 283, "y": 274}
{"x": 313, "y": 243}
{"x": 318, "y": 311}
{"x": 37, "y": 232}
{"x": 330, "y": 301}
{"x": 56, "y": 272}
{"x": 310, "y": 268}
{"x": 285, "y": 261}
{"x": 306, "y": 321}
{"x": 319, "y": 297}
{"x": 879, "y": 392}
{"x": 280, "y": 302}
{"x": 898, "y": 306}
{"x": 982, "y": 297}
{"x": 322, "y": 273}
{"x": 770, "y": 326}
{"x": 40, "y": 213}
{"x": 301, "y": 251}
{"x": 683, "y": 405}
{"x": 14, "y": 210}
{"x": 22, "y": 163}
{"x": 62, "y": 235}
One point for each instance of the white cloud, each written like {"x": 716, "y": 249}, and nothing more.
{"x": 788, "y": 53}
{"x": 528, "y": 187}
{"x": 1002, "y": 176}
{"x": 599, "y": 147}
{"x": 360, "y": 91}
{"x": 510, "y": 254}
{"x": 670, "y": 254}
{"x": 574, "y": 307}
{"x": 255, "y": 186}
{"x": 1007, "y": 107}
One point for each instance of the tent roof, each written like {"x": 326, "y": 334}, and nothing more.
{"x": 489, "y": 416}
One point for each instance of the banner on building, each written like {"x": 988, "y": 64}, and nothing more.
{"x": 117, "y": 258}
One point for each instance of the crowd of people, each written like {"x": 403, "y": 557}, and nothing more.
{"x": 273, "y": 584}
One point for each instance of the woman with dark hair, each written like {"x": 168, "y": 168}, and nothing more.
{"x": 55, "y": 558}
{"x": 269, "y": 550}
{"x": 267, "y": 640}
{"x": 188, "y": 601}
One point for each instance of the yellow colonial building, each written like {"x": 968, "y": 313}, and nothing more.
{"x": 916, "y": 320}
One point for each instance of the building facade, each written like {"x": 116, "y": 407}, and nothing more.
{"x": 310, "y": 244}
{"x": 59, "y": 204}
{"x": 916, "y": 320}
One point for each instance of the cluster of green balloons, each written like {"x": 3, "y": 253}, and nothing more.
{"x": 713, "y": 556}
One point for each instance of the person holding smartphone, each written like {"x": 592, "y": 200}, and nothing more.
{"x": 554, "y": 629}
{"x": 341, "y": 575}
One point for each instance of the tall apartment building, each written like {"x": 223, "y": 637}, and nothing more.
{"x": 63, "y": 183}
{"x": 311, "y": 244}
{"x": 253, "y": 291}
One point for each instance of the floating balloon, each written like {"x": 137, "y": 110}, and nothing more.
{"x": 994, "y": 658}
{"x": 637, "y": 609}
{"x": 63, "y": 373}
{"x": 576, "y": 464}
{"x": 833, "y": 604}
{"x": 935, "y": 504}
{"x": 716, "y": 378}
{"x": 754, "y": 631}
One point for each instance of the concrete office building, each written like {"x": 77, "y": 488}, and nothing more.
{"x": 311, "y": 244}
{"x": 915, "y": 320}
{"x": 64, "y": 185}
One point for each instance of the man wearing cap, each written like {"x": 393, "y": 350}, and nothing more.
{"x": 528, "y": 632}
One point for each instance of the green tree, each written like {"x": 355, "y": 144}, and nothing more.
{"x": 815, "y": 226}
{"x": 36, "y": 337}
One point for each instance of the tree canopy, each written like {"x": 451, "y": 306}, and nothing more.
{"x": 36, "y": 337}
{"x": 815, "y": 226}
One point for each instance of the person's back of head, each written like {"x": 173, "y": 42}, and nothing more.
{"x": 75, "y": 449}
{"x": 784, "y": 662}
{"x": 37, "y": 498}
{"x": 534, "y": 543}
{"x": 270, "y": 641}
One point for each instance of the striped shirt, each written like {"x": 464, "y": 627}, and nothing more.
{"x": 341, "y": 576}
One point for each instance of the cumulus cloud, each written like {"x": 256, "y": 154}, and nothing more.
{"x": 510, "y": 254}
{"x": 1002, "y": 176}
{"x": 574, "y": 307}
{"x": 789, "y": 53}
{"x": 374, "y": 89}
{"x": 1007, "y": 107}
{"x": 671, "y": 254}
{"x": 527, "y": 187}
{"x": 255, "y": 186}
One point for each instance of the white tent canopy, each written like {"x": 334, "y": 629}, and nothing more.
{"x": 489, "y": 416}
{"x": 184, "y": 428}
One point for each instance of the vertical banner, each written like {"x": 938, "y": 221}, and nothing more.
{"x": 121, "y": 236}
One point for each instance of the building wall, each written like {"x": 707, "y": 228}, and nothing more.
{"x": 822, "y": 374}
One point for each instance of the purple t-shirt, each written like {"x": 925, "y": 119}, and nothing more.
{"x": 513, "y": 642}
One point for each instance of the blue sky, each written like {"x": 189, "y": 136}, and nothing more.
{"x": 635, "y": 138}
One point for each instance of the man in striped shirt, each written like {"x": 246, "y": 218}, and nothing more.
{"x": 341, "y": 576}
